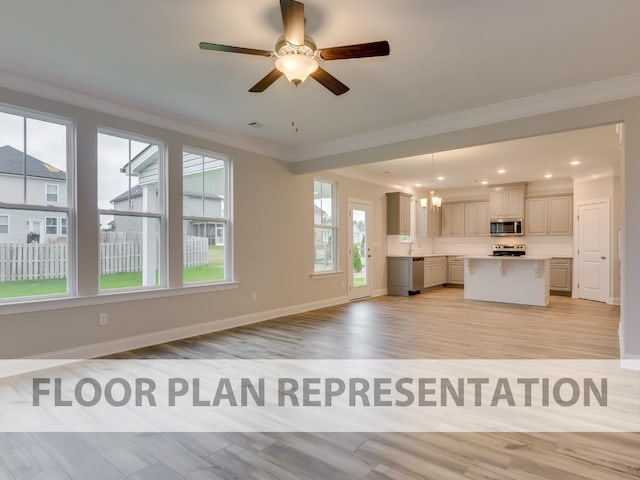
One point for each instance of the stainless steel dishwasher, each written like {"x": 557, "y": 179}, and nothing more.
{"x": 417, "y": 275}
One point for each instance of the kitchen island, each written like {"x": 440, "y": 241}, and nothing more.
{"x": 523, "y": 280}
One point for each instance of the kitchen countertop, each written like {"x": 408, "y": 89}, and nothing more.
{"x": 521, "y": 258}
{"x": 462, "y": 255}
{"x": 418, "y": 255}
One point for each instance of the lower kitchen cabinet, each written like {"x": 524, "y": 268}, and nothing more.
{"x": 455, "y": 274}
{"x": 560, "y": 280}
{"x": 435, "y": 271}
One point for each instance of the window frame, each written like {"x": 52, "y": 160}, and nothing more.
{"x": 47, "y": 226}
{"x": 226, "y": 220}
{"x": 333, "y": 227}
{"x": 46, "y": 193}
{"x": 7, "y": 216}
{"x": 69, "y": 209}
{"x": 161, "y": 215}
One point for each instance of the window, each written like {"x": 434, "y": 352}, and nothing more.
{"x": 131, "y": 206}
{"x": 63, "y": 226}
{"x": 52, "y": 226}
{"x": 206, "y": 217}
{"x": 51, "y": 193}
{"x": 326, "y": 225}
{"x": 36, "y": 165}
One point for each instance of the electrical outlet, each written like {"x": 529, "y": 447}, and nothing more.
{"x": 103, "y": 319}
{"x": 254, "y": 297}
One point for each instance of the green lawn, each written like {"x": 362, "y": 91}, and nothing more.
{"x": 24, "y": 288}
{"x": 359, "y": 281}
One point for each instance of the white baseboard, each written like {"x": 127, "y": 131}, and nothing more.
{"x": 627, "y": 360}
{"x": 630, "y": 362}
{"x": 614, "y": 301}
{"x": 60, "y": 357}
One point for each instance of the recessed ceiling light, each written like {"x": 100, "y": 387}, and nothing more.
{"x": 484, "y": 182}
{"x": 576, "y": 162}
{"x": 417, "y": 184}
{"x": 501, "y": 171}
{"x": 440, "y": 178}
{"x": 548, "y": 175}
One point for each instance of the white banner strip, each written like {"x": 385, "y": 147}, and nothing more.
{"x": 323, "y": 396}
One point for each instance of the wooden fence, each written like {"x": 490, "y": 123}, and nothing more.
{"x": 195, "y": 251}
{"x": 31, "y": 261}
{"x": 34, "y": 261}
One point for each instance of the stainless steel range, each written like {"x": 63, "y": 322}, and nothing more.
{"x": 514, "y": 250}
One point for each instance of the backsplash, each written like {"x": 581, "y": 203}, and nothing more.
{"x": 560, "y": 246}
{"x": 420, "y": 246}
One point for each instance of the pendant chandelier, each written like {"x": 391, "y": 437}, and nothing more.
{"x": 436, "y": 202}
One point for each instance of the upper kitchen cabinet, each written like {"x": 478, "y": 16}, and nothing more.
{"x": 549, "y": 216}
{"x": 476, "y": 219}
{"x": 453, "y": 219}
{"x": 398, "y": 213}
{"x": 507, "y": 202}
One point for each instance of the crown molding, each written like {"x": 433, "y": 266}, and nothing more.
{"x": 605, "y": 172}
{"x": 160, "y": 119}
{"x": 564, "y": 99}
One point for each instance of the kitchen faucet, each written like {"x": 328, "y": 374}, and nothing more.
{"x": 411, "y": 246}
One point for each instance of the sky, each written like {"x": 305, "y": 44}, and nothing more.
{"x": 46, "y": 141}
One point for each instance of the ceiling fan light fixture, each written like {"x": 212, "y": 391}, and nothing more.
{"x": 296, "y": 66}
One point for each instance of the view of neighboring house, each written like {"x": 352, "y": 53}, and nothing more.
{"x": 198, "y": 177}
{"x": 45, "y": 185}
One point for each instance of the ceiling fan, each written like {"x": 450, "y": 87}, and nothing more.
{"x": 296, "y": 55}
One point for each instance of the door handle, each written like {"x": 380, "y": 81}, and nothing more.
{"x": 603, "y": 258}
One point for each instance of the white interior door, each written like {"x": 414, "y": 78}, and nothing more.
{"x": 359, "y": 236}
{"x": 593, "y": 251}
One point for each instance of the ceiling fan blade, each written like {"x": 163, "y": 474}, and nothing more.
{"x": 263, "y": 84}
{"x": 293, "y": 19}
{"x": 329, "y": 81}
{"x": 230, "y": 49}
{"x": 372, "y": 49}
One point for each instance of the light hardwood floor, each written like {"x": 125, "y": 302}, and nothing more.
{"x": 439, "y": 324}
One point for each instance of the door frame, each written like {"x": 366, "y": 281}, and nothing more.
{"x": 369, "y": 204}
{"x": 576, "y": 230}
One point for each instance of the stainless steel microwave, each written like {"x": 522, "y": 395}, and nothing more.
{"x": 505, "y": 227}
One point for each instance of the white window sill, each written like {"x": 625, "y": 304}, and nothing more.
{"x": 331, "y": 274}
{"x": 40, "y": 305}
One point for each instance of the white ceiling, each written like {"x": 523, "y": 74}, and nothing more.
{"x": 447, "y": 56}
{"x": 525, "y": 160}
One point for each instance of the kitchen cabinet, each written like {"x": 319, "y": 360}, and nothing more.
{"x": 476, "y": 219}
{"x": 560, "y": 216}
{"x": 536, "y": 216}
{"x": 560, "y": 279}
{"x": 435, "y": 271}
{"x": 549, "y": 216}
{"x": 455, "y": 270}
{"x": 453, "y": 220}
{"x": 398, "y": 213}
{"x": 507, "y": 202}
